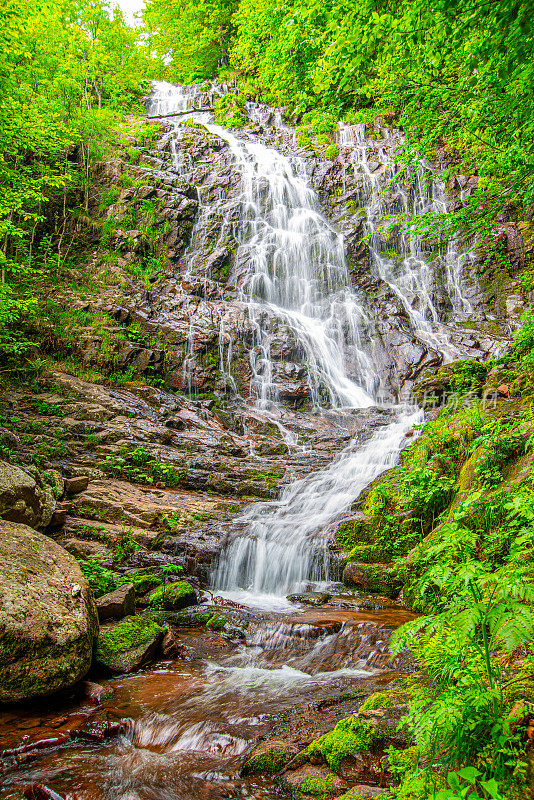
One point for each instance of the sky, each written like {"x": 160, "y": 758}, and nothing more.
{"x": 129, "y": 7}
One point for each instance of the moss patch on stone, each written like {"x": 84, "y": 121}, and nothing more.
{"x": 131, "y": 633}
{"x": 350, "y": 735}
{"x": 357, "y": 530}
{"x": 318, "y": 787}
{"x": 382, "y": 579}
{"x": 174, "y": 596}
{"x": 268, "y": 763}
{"x": 144, "y": 581}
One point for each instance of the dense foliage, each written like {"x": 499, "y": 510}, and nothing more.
{"x": 454, "y": 74}
{"x": 68, "y": 71}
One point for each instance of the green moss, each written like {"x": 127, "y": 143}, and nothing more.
{"x": 269, "y": 476}
{"x": 370, "y": 553}
{"x": 351, "y": 735}
{"x": 354, "y": 531}
{"x": 174, "y": 595}
{"x": 268, "y": 763}
{"x": 215, "y": 622}
{"x": 376, "y": 701}
{"x": 374, "y": 578}
{"x": 318, "y": 787}
{"x": 144, "y": 581}
{"x": 132, "y": 632}
{"x": 522, "y": 688}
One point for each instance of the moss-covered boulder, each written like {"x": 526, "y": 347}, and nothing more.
{"x": 350, "y": 736}
{"x": 129, "y": 645}
{"x": 269, "y": 758}
{"x": 48, "y": 619}
{"x": 174, "y": 596}
{"x": 380, "y": 579}
{"x": 358, "y": 529}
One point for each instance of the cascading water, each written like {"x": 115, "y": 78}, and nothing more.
{"x": 405, "y": 264}
{"x": 282, "y": 549}
{"x": 291, "y": 274}
{"x": 295, "y": 272}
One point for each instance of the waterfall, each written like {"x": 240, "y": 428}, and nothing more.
{"x": 407, "y": 267}
{"x": 292, "y": 276}
{"x": 295, "y": 273}
{"x": 285, "y": 545}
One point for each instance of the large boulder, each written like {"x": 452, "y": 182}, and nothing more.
{"x": 22, "y": 499}
{"x": 48, "y": 619}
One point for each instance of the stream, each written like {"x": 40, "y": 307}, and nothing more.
{"x": 189, "y": 722}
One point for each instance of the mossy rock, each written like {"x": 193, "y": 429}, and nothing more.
{"x": 144, "y": 581}
{"x": 359, "y": 529}
{"x": 370, "y": 553}
{"x": 522, "y": 688}
{"x": 174, "y": 596}
{"x": 129, "y": 645}
{"x": 351, "y": 735}
{"x": 380, "y": 579}
{"x": 319, "y": 787}
{"x": 48, "y": 619}
{"x": 269, "y": 758}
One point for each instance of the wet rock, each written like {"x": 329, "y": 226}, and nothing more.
{"x": 77, "y": 484}
{"x": 128, "y": 646}
{"x": 117, "y": 604}
{"x": 95, "y": 693}
{"x": 310, "y": 598}
{"x": 362, "y": 767}
{"x": 169, "y": 646}
{"x": 48, "y": 619}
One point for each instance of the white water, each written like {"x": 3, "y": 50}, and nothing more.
{"x": 295, "y": 273}
{"x": 292, "y": 276}
{"x": 413, "y": 272}
{"x": 284, "y": 547}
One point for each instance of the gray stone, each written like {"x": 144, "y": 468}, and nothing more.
{"x": 117, "y": 604}
{"x": 21, "y": 499}
{"x": 48, "y": 619}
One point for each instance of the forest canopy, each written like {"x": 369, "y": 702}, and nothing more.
{"x": 454, "y": 74}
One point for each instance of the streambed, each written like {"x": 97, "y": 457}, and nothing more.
{"x": 190, "y": 722}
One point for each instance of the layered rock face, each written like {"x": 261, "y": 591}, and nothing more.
{"x": 48, "y": 619}
{"x": 192, "y": 303}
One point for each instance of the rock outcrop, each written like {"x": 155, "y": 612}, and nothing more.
{"x": 48, "y": 619}
{"x": 22, "y": 498}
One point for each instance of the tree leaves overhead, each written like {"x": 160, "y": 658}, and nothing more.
{"x": 66, "y": 67}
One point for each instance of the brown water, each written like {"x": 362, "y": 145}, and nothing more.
{"x": 190, "y": 722}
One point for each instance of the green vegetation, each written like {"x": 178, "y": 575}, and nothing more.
{"x": 68, "y": 74}
{"x": 269, "y": 763}
{"x": 457, "y": 519}
{"x": 455, "y": 75}
{"x": 132, "y": 632}
{"x": 349, "y": 736}
{"x": 138, "y": 465}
